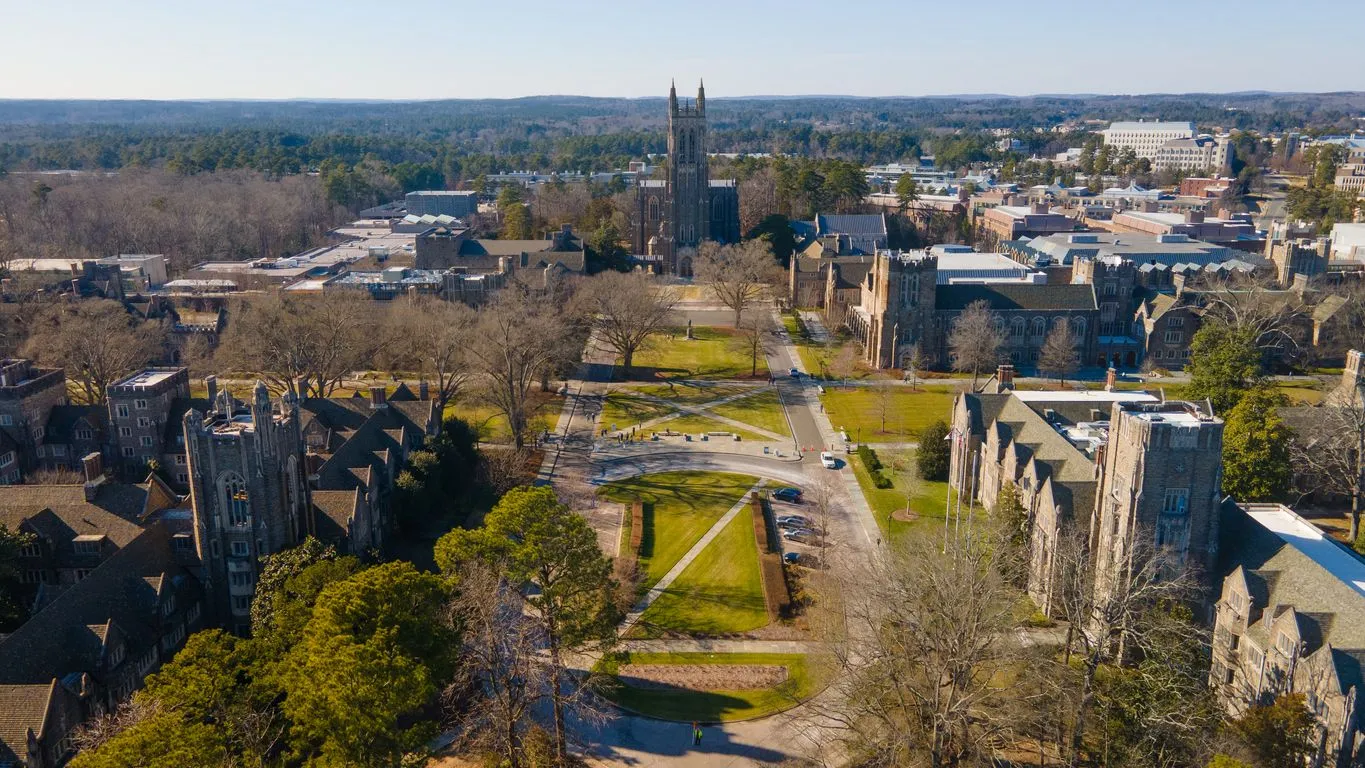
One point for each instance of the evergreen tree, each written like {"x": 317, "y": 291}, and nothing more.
{"x": 1224, "y": 364}
{"x": 934, "y": 452}
{"x": 1256, "y": 442}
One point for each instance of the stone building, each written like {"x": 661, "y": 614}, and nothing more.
{"x": 249, "y": 493}
{"x": 676, "y": 214}
{"x": 1161, "y": 492}
{"x": 140, "y": 408}
{"x": 903, "y": 306}
{"x": 1290, "y": 618}
{"x": 27, "y": 396}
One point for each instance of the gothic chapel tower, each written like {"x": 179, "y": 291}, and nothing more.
{"x": 688, "y": 180}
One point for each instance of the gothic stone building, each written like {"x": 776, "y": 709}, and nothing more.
{"x": 903, "y": 307}
{"x": 676, "y": 214}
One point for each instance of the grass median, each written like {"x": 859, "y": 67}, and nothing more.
{"x": 806, "y": 676}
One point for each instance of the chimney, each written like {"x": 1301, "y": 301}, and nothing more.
{"x": 1149, "y": 206}
{"x": 211, "y": 383}
{"x": 1039, "y": 208}
{"x": 93, "y": 468}
{"x": 1004, "y": 376}
{"x": 423, "y": 390}
{"x": 1194, "y": 217}
{"x": 377, "y": 397}
{"x": 1110, "y": 377}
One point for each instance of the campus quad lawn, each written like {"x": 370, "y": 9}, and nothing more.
{"x": 692, "y": 424}
{"x": 805, "y": 677}
{"x": 763, "y": 410}
{"x": 857, "y": 410}
{"x": 625, "y": 409}
{"x": 693, "y": 392}
{"x": 927, "y": 500}
{"x": 721, "y": 592}
{"x": 713, "y": 353}
{"x": 491, "y": 426}
{"x": 679, "y": 508}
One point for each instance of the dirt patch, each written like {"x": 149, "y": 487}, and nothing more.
{"x": 904, "y": 516}
{"x": 703, "y": 677}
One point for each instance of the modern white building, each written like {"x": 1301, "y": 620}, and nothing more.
{"x": 1145, "y": 138}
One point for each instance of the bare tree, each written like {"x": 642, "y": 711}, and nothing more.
{"x": 844, "y": 363}
{"x": 500, "y": 665}
{"x": 975, "y": 341}
{"x": 626, "y": 309}
{"x": 885, "y": 402}
{"x": 1248, "y": 302}
{"x": 929, "y": 674}
{"x": 1059, "y": 357}
{"x": 96, "y": 341}
{"x": 757, "y": 198}
{"x": 434, "y": 337}
{"x": 306, "y": 345}
{"x": 913, "y": 361}
{"x": 753, "y": 332}
{"x": 516, "y": 339}
{"x": 738, "y": 274}
{"x": 1328, "y": 453}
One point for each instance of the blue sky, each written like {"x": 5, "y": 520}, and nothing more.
{"x": 415, "y": 49}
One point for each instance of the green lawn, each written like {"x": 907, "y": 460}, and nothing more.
{"x": 625, "y": 409}
{"x": 491, "y": 426}
{"x": 858, "y": 411}
{"x": 763, "y": 410}
{"x": 691, "y": 392}
{"x": 679, "y": 508}
{"x": 693, "y": 424}
{"x": 926, "y": 498}
{"x": 713, "y": 353}
{"x": 806, "y": 676}
{"x": 719, "y": 593}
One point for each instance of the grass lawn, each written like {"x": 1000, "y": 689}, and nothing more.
{"x": 713, "y": 353}
{"x": 691, "y": 392}
{"x": 679, "y": 508}
{"x": 692, "y": 424}
{"x": 926, "y": 500}
{"x": 721, "y": 592}
{"x": 491, "y": 426}
{"x": 763, "y": 410}
{"x": 858, "y": 411}
{"x": 625, "y": 409}
{"x": 806, "y": 676}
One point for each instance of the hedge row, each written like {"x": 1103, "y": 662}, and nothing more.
{"x": 637, "y": 526}
{"x": 874, "y": 467}
{"x": 776, "y": 595}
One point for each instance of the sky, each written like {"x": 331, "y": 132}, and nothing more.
{"x": 421, "y": 49}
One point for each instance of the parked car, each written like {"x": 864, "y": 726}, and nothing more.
{"x": 792, "y": 558}
{"x": 803, "y": 535}
{"x": 797, "y": 519}
{"x": 792, "y": 495}
{"x": 828, "y": 461}
{"x": 795, "y": 374}
{"x": 793, "y": 525}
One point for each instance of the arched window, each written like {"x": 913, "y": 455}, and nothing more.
{"x": 1017, "y": 327}
{"x": 1078, "y": 327}
{"x": 233, "y": 498}
{"x": 1039, "y": 327}
{"x": 1000, "y": 325}
{"x": 653, "y": 209}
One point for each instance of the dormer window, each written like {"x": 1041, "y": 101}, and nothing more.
{"x": 116, "y": 656}
{"x": 88, "y": 544}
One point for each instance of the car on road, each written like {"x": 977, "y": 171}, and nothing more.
{"x": 792, "y": 495}
{"x": 828, "y": 461}
{"x": 792, "y": 558}
{"x": 795, "y": 374}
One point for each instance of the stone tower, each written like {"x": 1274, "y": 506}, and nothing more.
{"x": 899, "y": 295}
{"x": 687, "y": 172}
{"x": 249, "y": 494}
{"x": 1161, "y": 491}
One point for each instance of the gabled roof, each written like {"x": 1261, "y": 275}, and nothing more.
{"x": 864, "y": 224}
{"x": 60, "y": 513}
{"x": 23, "y": 708}
{"x": 62, "y": 421}
{"x": 1005, "y": 297}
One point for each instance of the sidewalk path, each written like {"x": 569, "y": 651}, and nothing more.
{"x": 660, "y": 587}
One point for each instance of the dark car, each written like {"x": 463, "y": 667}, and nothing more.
{"x": 792, "y": 495}
{"x": 792, "y": 558}
{"x": 795, "y": 374}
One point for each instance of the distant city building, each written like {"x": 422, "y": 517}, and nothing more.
{"x": 1194, "y": 223}
{"x": 1199, "y": 154}
{"x": 1144, "y": 138}
{"x": 1011, "y": 222}
{"x": 840, "y": 235}
{"x": 677, "y": 214}
{"x": 442, "y": 203}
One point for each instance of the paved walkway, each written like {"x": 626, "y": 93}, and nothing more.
{"x": 719, "y": 645}
{"x": 662, "y": 585}
{"x": 704, "y": 410}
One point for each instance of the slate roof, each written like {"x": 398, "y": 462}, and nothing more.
{"x": 22, "y": 707}
{"x": 62, "y": 421}
{"x": 60, "y": 513}
{"x": 868, "y": 224}
{"x": 333, "y": 513}
{"x": 1006, "y": 297}
{"x": 57, "y": 641}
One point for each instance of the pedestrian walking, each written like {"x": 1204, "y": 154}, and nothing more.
{"x": 696, "y": 735}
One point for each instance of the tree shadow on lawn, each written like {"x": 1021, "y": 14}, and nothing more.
{"x": 691, "y": 615}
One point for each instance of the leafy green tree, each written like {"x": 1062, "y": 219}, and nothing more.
{"x": 371, "y": 658}
{"x": 516, "y": 222}
{"x": 934, "y": 452}
{"x": 1279, "y": 734}
{"x": 162, "y": 740}
{"x": 907, "y": 191}
{"x": 1225, "y": 362}
{"x": 1256, "y": 444}
{"x": 1012, "y": 517}
{"x": 1223, "y": 761}
{"x": 278, "y": 569}
{"x": 537, "y": 541}
{"x": 12, "y": 611}
{"x": 776, "y": 230}
{"x": 605, "y": 251}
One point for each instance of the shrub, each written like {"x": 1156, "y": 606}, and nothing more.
{"x": 874, "y": 466}
{"x": 934, "y": 451}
